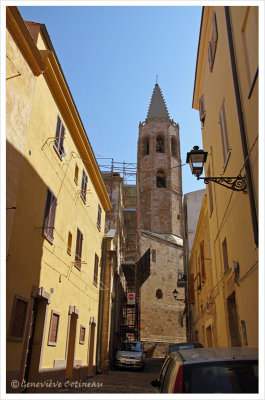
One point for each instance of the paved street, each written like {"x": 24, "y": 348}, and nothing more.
{"x": 122, "y": 381}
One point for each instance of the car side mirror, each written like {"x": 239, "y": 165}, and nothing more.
{"x": 155, "y": 383}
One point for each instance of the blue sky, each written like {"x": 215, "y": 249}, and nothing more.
{"x": 110, "y": 56}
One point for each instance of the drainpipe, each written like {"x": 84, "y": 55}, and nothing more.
{"x": 101, "y": 303}
{"x": 242, "y": 129}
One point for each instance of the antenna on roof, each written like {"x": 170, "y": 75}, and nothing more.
{"x": 156, "y": 78}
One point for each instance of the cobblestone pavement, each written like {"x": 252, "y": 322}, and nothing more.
{"x": 121, "y": 381}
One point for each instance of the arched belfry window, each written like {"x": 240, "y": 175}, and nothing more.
{"x": 174, "y": 147}
{"x": 160, "y": 179}
{"x": 145, "y": 147}
{"x": 160, "y": 145}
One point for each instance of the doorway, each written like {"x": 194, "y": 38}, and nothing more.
{"x": 71, "y": 345}
{"x": 235, "y": 339}
{"x": 209, "y": 337}
{"x": 91, "y": 347}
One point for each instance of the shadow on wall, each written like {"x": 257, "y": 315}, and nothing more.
{"x": 24, "y": 254}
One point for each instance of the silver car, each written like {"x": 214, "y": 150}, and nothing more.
{"x": 130, "y": 355}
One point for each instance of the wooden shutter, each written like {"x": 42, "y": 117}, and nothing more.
{"x": 47, "y": 212}
{"x": 78, "y": 251}
{"x": 191, "y": 288}
{"x": 84, "y": 185}
{"x": 49, "y": 215}
{"x": 215, "y": 32}
{"x": 202, "y": 108}
{"x": 61, "y": 140}
{"x": 203, "y": 275}
{"x": 57, "y": 133}
{"x": 54, "y": 328}
{"x": 210, "y": 56}
{"x": 52, "y": 215}
{"x": 17, "y": 326}
{"x": 99, "y": 217}
{"x": 96, "y": 270}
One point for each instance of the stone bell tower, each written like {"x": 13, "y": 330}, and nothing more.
{"x": 159, "y": 197}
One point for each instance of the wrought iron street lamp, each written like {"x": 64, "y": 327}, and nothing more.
{"x": 196, "y": 158}
{"x": 175, "y": 294}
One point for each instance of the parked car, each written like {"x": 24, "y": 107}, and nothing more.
{"x": 210, "y": 370}
{"x": 182, "y": 346}
{"x": 130, "y": 355}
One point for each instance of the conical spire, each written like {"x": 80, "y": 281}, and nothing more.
{"x": 157, "y": 107}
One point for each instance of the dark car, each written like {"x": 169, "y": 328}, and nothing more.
{"x": 182, "y": 346}
{"x": 210, "y": 370}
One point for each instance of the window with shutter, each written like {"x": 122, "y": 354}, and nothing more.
{"x": 82, "y": 334}
{"x": 203, "y": 274}
{"x": 202, "y": 108}
{"x": 191, "y": 289}
{"x": 69, "y": 244}
{"x": 49, "y": 215}
{"x": 213, "y": 42}
{"x": 59, "y": 138}
{"x": 96, "y": 270}
{"x": 84, "y": 185}
{"x": 224, "y": 135}
{"x": 76, "y": 174}
{"x": 225, "y": 255}
{"x": 99, "y": 217}
{"x": 54, "y": 325}
{"x": 78, "y": 251}
{"x": 18, "y": 319}
{"x": 210, "y": 192}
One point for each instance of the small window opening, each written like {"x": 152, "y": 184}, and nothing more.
{"x": 146, "y": 146}
{"x": 161, "y": 179}
{"x": 69, "y": 244}
{"x": 174, "y": 147}
{"x": 76, "y": 174}
{"x": 160, "y": 147}
{"x": 159, "y": 294}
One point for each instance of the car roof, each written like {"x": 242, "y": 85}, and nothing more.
{"x": 216, "y": 354}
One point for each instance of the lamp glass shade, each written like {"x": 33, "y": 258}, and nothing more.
{"x": 196, "y": 158}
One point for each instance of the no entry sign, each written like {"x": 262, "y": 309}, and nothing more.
{"x": 131, "y": 298}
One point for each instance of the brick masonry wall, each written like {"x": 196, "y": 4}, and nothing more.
{"x": 160, "y": 317}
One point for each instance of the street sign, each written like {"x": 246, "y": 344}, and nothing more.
{"x": 131, "y": 298}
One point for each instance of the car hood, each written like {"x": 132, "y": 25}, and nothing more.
{"x": 131, "y": 354}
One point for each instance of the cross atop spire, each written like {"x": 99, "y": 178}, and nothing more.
{"x": 157, "y": 107}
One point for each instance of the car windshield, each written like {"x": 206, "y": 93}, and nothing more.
{"x": 177, "y": 347}
{"x": 131, "y": 346}
{"x": 221, "y": 377}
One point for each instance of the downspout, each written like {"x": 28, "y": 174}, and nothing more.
{"x": 101, "y": 303}
{"x": 242, "y": 129}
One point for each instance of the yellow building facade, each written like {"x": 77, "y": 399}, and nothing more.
{"x": 201, "y": 283}
{"x": 58, "y": 200}
{"x": 226, "y": 95}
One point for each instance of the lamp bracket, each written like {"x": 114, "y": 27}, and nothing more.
{"x": 237, "y": 183}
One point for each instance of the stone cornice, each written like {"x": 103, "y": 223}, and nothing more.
{"x": 20, "y": 34}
